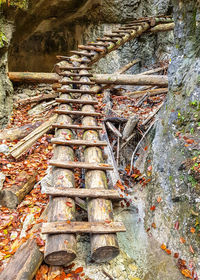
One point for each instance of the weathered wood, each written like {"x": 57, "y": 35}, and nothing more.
{"x": 77, "y": 126}
{"x": 75, "y": 82}
{"x": 83, "y": 227}
{"x": 162, "y": 27}
{"x": 23, "y": 145}
{"x": 107, "y": 40}
{"x": 112, "y": 35}
{"x": 18, "y": 132}
{"x": 130, "y": 79}
{"x": 81, "y": 53}
{"x": 76, "y": 91}
{"x": 76, "y": 164}
{"x": 130, "y": 126}
{"x": 98, "y": 44}
{"x": 76, "y": 101}
{"x": 113, "y": 129}
{"x": 37, "y": 98}
{"x": 77, "y": 113}
{"x": 70, "y": 74}
{"x": 74, "y": 68}
{"x": 152, "y": 71}
{"x": 90, "y": 48}
{"x": 33, "y": 77}
{"x": 127, "y": 66}
{"x": 151, "y": 92}
{"x": 73, "y": 59}
{"x": 83, "y": 193}
{"x": 11, "y": 196}
{"x": 77, "y": 142}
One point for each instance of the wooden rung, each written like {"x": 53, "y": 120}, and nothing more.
{"x": 132, "y": 28}
{"x": 123, "y": 31}
{"x": 83, "y": 227}
{"x": 64, "y": 74}
{"x": 78, "y": 113}
{"x": 90, "y": 48}
{"x": 74, "y": 126}
{"x": 99, "y": 44}
{"x": 113, "y": 35}
{"x": 82, "y": 53}
{"x": 76, "y": 91}
{"x": 107, "y": 40}
{"x": 76, "y": 101}
{"x": 76, "y": 82}
{"x": 84, "y": 165}
{"x": 74, "y": 68}
{"x": 78, "y": 142}
{"x": 83, "y": 193}
{"x": 70, "y": 58}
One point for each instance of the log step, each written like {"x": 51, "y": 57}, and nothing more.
{"x": 113, "y": 35}
{"x": 74, "y": 68}
{"x": 78, "y": 113}
{"x": 107, "y": 40}
{"x": 70, "y": 58}
{"x": 83, "y": 193}
{"x": 83, "y": 227}
{"x": 78, "y": 142}
{"x": 99, "y": 44}
{"x": 64, "y": 74}
{"x": 90, "y": 48}
{"x": 82, "y": 53}
{"x": 76, "y": 91}
{"x": 84, "y": 165}
{"x": 76, "y": 101}
{"x": 123, "y": 31}
{"x": 76, "y": 82}
{"x": 78, "y": 126}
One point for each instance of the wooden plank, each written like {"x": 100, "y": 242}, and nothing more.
{"x": 77, "y": 142}
{"x": 83, "y": 193}
{"x": 82, "y": 53}
{"x": 107, "y": 40}
{"x": 76, "y": 101}
{"x": 90, "y": 48}
{"x": 76, "y": 91}
{"x": 76, "y": 82}
{"x": 83, "y": 227}
{"x": 76, "y": 164}
{"x": 74, "y": 68}
{"x": 78, "y": 113}
{"x": 99, "y": 44}
{"x": 114, "y": 35}
{"x": 78, "y": 126}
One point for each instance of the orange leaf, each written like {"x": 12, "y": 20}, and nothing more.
{"x": 163, "y": 246}
{"x": 182, "y": 240}
{"x": 168, "y": 251}
{"x": 186, "y": 273}
{"x": 107, "y": 221}
{"x": 159, "y": 199}
{"x": 145, "y": 148}
{"x": 153, "y": 208}
{"x": 69, "y": 204}
{"x": 68, "y": 222}
{"x": 192, "y": 230}
{"x": 176, "y": 255}
{"x": 79, "y": 269}
{"x": 153, "y": 225}
{"x": 149, "y": 168}
{"x": 191, "y": 249}
{"x": 189, "y": 141}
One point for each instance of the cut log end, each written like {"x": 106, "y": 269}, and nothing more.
{"x": 105, "y": 253}
{"x": 60, "y": 257}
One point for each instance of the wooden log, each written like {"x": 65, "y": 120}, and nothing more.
{"x": 127, "y": 66}
{"x": 37, "y": 98}
{"x": 90, "y": 48}
{"x": 74, "y": 68}
{"x": 78, "y": 142}
{"x": 76, "y": 101}
{"x": 83, "y": 193}
{"x": 67, "y": 74}
{"x": 10, "y": 197}
{"x": 77, "y": 113}
{"x": 32, "y": 77}
{"x": 75, "y": 82}
{"x": 130, "y": 126}
{"x": 81, "y": 53}
{"x": 104, "y": 247}
{"x": 76, "y": 164}
{"x": 152, "y": 71}
{"x": 23, "y": 145}
{"x": 151, "y": 92}
{"x": 77, "y": 126}
{"x": 76, "y": 91}
{"x": 113, "y": 129}
{"x": 162, "y": 27}
{"x": 18, "y": 132}
{"x": 107, "y": 40}
{"x": 83, "y": 227}
{"x": 130, "y": 79}
{"x": 60, "y": 249}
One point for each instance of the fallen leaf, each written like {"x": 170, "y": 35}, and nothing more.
{"x": 182, "y": 240}
{"x": 153, "y": 208}
{"x": 191, "y": 249}
{"x": 159, "y": 199}
{"x": 163, "y": 246}
{"x": 186, "y": 273}
{"x": 192, "y": 230}
{"x": 69, "y": 204}
{"x": 79, "y": 269}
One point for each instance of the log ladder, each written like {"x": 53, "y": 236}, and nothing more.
{"x": 61, "y": 228}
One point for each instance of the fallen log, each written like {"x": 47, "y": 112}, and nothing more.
{"x": 129, "y": 127}
{"x": 18, "y": 132}
{"x": 151, "y": 92}
{"x": 37, "y": 98}
{"x": 152, "y": 71}
{"x": 23, "y": 145}
{"x": 33, "y": 77}
{"x": 10, "y": 197}
{"x": 27, "y": 259}
{"x": 130, "y": 79}
{"x": 162, "y": 27}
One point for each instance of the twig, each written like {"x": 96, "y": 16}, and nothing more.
{"x": 118, "y": 145}
{"x": 152, "y": 114}
{"x": 107, "y": 274}
{"x": 139, "y": 103}
{"x": 139, "y": 143}
{"x": 113, "y": 129}
{"x": 128, "y": 140}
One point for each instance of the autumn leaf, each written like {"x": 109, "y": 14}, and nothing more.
{"x": 79, "y": 270}
{"x": 69, "y": 204}
{"x": 182, "y": 240}
{"x": 153, "y": 208}
{"x": 163, "y": 246}
{"x": 192, "y": 230}
{"x": 186, "y": 273}
{"x": 153, "y": 225}
{"x": 191, "y": 249}
{"x": 176, "y": 255}
{"x": 108, "y": 221}
{"x": 168, "y": 251}
{"x": 159, "y": 199}
{"x": 149, "y": 168}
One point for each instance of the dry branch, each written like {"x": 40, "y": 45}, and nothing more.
{"x": 151, "y": 92}
{"x": 33, "y": 77}
{"x": 37, "y": 98}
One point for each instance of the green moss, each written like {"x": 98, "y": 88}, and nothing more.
{"x": 3, "y": 39}
{"x": 22, "y": 4}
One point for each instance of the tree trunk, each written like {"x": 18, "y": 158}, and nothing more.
{"x": 130, "y": 79}
{"x": 33, "y": 77}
